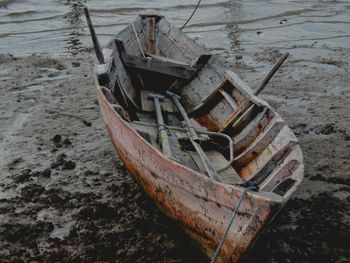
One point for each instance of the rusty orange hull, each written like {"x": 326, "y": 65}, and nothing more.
{"x": 263, "y": 150}
{"x": 198, "y": 204}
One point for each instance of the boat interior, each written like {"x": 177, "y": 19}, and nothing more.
{"x": 183, "y": 102}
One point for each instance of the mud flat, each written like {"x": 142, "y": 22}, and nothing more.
{"x": 64, "y": 194}
{"x": 312, "y": 93}
{"x": 66, "y": 197}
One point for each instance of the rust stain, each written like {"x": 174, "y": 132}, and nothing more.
{"x": 150, "y": 43}
{"x": 198, "y": 204}
{"x": 207, "y": 122}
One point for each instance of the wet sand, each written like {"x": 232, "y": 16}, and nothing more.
{"x": 65, "y": 196}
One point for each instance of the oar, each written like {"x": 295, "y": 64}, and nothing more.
{"x": 163, "y": 135}
{"x": 95, "y": 42}
{"x": 261, "y": 86}
{"x": 269, "y": 75}
{"x": 193, "y": 136}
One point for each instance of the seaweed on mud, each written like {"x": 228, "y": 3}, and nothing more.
{"x": 312, "y": 230}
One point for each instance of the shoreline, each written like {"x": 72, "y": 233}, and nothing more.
{"x": 65, "y": 194}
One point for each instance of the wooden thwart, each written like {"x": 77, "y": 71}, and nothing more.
{"x": 153, "y": 65}
{"x": 166, "y": 59}
{"x": 198, "y": 64}
{"x": 224, "y": 91}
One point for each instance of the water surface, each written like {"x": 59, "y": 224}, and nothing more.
{"x": 230, "y": 27}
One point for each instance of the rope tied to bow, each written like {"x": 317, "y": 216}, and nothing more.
{"x": 194, "y": 11}
{"x": 248, "y": 187}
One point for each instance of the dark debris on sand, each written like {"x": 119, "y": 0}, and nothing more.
{"x": 75, "y": 202}
{"x": 66, "y": 197}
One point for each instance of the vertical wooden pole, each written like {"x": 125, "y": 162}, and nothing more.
{"x": 95, "y": 42}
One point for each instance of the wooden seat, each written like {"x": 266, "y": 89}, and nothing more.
{"x": 228, "y": 176}
{"x": 169, "y": 68}
{"x": 158, "y": 66}
{"x": 228, "y": 102}
{"x": 243, "y": 137}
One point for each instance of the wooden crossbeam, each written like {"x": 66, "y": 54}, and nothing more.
{"x": 163, "y": 67}
{"x": 154, "y": 65}
{"x": 165, "y": 59}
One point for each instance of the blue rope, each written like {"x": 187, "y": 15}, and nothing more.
{"x": 217, "y": 251}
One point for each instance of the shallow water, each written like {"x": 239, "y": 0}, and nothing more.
{"x": 231, "y": 27}
{"x": 238, "y": 31}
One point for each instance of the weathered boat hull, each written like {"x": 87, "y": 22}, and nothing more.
{"x": 200, "y": 205}
{"x": 196, "y": 193}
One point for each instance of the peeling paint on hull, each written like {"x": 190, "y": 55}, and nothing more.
{"x": 201, "y": 206}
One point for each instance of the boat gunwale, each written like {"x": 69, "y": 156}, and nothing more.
{"x": 243, "y": 87}
{"x": 263, "y": 206}
{"x": 263, "y": 196}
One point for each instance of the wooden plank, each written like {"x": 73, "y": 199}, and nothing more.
{"x": 224, "y": 98}
{"x": 229, "y": 99}
{"x": 208, "y": 102}
{"x": 260, "y": 143}
{"x": 166, "y": 59}
{"x": 103, "y": 70}
{"x": 229, "y": 176}
{"x": 245, "y": 137}
{"x": 199, "y": 64}
{"x": 152, "y": 133}
{"x": 245, "y": 118}
{"x": 150, "y": 39}
{"x": 129, "y": 39}
{"x": 178, "y": 43}
{"x": 166, "y": 68}
{"x": 120, "y": 83}
{"x": 282, "y": 172}
{"x": 166, "y": 48}
{"x": 272, "y": 163}
{"x": 181, "y": 155}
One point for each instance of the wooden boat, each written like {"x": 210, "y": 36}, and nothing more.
{"x": 194, "y": 153}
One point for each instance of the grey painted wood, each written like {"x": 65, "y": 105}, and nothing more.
{"x": 158, "y": 66}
